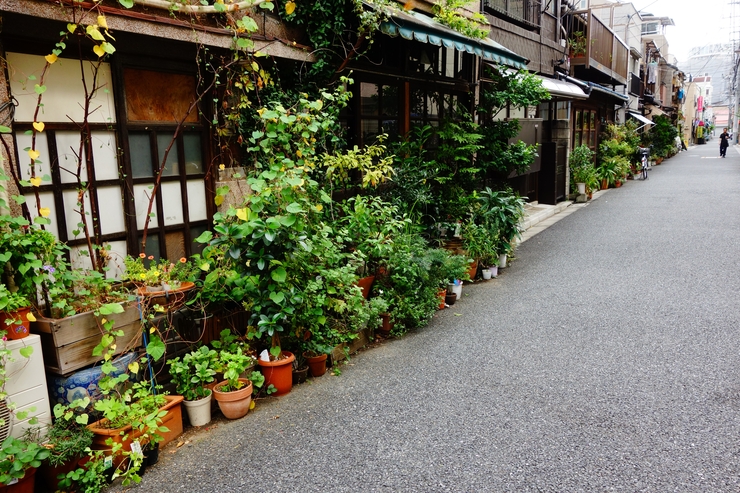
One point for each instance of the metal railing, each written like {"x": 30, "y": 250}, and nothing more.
{"x": 526, "y": 11}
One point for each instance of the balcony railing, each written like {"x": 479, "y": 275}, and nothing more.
{"x": 524, "y": 11}
{"x": 604, "y": 51}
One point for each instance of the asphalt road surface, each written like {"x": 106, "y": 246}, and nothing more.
{"x": 604, "y": 358}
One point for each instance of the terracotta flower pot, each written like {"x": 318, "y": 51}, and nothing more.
{"x": 365, "y": 284}
{"x": 473, "y": 270}
{"x": 386, "y": 325}
{"x": 14, "y": 329}
{"x": 316, "y": 364}
{"x": 279, "y": 373}
{"x": 441, "y": 295}
{"x": 234, "y": 404}
{"x": 169, "y": 298}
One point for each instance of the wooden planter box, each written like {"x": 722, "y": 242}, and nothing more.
{"x": 171, "y": 420}
{"x": 68, "y": 343}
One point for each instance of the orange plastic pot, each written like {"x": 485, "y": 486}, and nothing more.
{"x": 316, "y": 364}
{"x": 279, "y": 373}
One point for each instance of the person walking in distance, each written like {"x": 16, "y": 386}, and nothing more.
{"x": 724, "y": 141}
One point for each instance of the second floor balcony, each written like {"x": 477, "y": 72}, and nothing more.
{"x": 597, "y": 53}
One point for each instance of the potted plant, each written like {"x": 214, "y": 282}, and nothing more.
{"x": 316, "y": 355}
{"x": 234, "y": 394}
{"x": 581, "y": 164}
{"x": 67, "y": 439}
{"x": 300, "y": 368}
{"x": 137, "y": 414}
{"x": 20, "y": 460}
{"x": 14, "y": 313}
{"x": 190, "y": 376}
{"x": 165, "y": 283}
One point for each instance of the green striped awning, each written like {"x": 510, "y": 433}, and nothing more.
{"x": 412, "y": 25}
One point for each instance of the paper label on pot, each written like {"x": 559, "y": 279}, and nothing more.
{"x": 136, "y": 447}
{"x": 108, "y": 462}
{"x": 264, "y": 355}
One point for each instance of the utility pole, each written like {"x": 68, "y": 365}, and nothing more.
{"x": 734, "y": 34}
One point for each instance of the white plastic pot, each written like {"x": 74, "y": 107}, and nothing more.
{"x": 502, "y": 261}
{"x": 581, "y": 188}
{"x": 486, "y": 274}
{"x": 199, "y": 412}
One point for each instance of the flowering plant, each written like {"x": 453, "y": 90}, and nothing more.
{"x": 145, "y": 270}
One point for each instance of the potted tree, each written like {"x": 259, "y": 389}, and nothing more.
{"x": 190, "y": 376}
{"x": 234, "y": 394}
{"x": 581, "y": 164}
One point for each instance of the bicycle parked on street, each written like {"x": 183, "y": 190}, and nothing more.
{"x": 644, "y": 153}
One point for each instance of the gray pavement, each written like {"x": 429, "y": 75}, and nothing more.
{"x": 605, "y": 358}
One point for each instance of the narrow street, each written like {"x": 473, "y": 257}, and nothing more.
{"x": 604, "y": 358}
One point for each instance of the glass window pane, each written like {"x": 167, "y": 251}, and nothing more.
{"x": 172, "y": 203}
{"x": 369, "y": 131}
{"x": 197, "y": 200}
{"x": 449, "y": 62}
{"x": 68, "y": 147}
{"x": 164, "y": 139}
{"x": 110, "y": 206}
{"x": 390, "y": 101}
{"x": 193, "y": 154}
{"x": 175, "y": 245}
{"x": 152, "y": 245}
{"x": 416, "y": 104}
{"x": 24, "y": 161}
{"x": 369, "y": 99}
{"x": 142, "y": 193}
{"x": 433, "y": 105}
{"x": 141, "y": 154}
{"x": 105, "y": 154}
{"x": 72, "y": 215}
{"x": 390, "y": 127}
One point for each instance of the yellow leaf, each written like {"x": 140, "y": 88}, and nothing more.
{"x": 94, "y": 33}
{"x": 112, "y": 347}
{"x": 39, "y": 126}
{"x": 33, "y": 154}
{"x": 30, "y": 317}
{"x": 102, "y": 22}
{"x": 319, "y": 207}
{"x": 152, "y": 330}
{"x": 251, "y": 405}
{"x": 298, "y": 153}
{"x": 290, "y": 7}
{"x": 134, "y": 367}
{"x": 44, "y": 211}
{"x": 205, "y": 266}
{"x": 71, "y": 27}
{"x": 98, "y": 50}
{"x": 219, "y": 200}
{"x": 35, "y": 181}
{"x": 241, "y": 214}
{"x": 51, "y": 58}
{"x": 255, "y": 67}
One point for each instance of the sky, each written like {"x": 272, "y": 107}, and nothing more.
{"x": 698, "y": 22}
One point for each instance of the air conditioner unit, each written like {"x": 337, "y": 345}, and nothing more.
{"x": 26, "y": 384}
